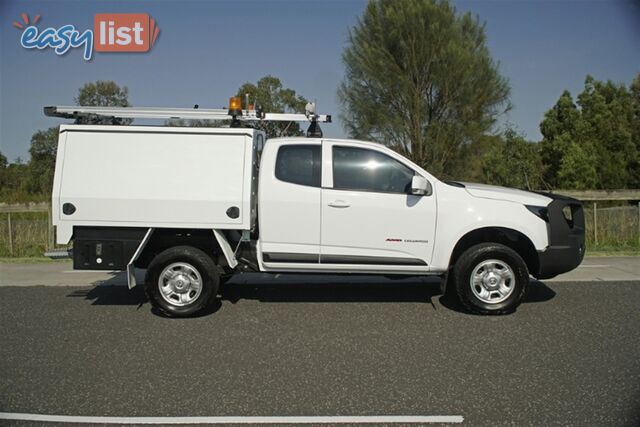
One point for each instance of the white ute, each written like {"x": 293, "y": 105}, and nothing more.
{"x": 193, "y": 206}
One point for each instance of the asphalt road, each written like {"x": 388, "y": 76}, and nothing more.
{"x": 363, "y": 346}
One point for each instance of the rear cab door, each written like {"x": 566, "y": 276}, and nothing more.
{"x": 289, "y": 204}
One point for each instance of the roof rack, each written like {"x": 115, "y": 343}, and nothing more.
{"x": 114, "y": 114}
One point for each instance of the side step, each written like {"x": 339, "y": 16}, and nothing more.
{"x": 58, "y": 253}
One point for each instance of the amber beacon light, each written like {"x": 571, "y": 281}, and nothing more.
{"x": 235, "y": 106}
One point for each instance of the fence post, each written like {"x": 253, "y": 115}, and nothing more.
{"x": 595, "y": 223}
{"x": 10, "y": 233}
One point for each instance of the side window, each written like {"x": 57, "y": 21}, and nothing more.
{"x": 368, "y": 170}
{"x": 299, "y": 164}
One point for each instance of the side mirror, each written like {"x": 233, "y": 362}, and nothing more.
{"x": 420, "y": 186}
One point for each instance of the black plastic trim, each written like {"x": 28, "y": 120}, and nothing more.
{"x": 557, "y": 260}
{"x": 285, "y": 257}
{"x": 369, "y": 260}
{"x": 566, "y": 238}
{"x": 291, "y": 257}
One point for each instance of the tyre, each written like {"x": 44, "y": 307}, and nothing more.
{"x": 181, "y": 281}
{"x": 490, "y": 278}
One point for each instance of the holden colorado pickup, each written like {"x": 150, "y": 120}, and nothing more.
{"x": 194, "y": 206}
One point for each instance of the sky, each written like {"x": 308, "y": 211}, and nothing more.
{"x": 207, "y": 49}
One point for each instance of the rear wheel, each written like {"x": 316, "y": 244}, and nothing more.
{"x": 182, "y": 281}
{"x": 490, "y": 278}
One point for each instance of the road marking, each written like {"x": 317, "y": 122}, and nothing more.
{"x": 594, "y": 265}
{"x": 378, "y": 419}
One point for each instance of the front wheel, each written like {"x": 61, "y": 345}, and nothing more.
{"x": 490, "y": 278}
{"x": 182, "y": 281}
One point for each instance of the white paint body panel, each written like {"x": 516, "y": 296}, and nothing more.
{"x": 459, "y": 213}
{"x": 135, "y": 176}
{"x": 504, "y": 193}
{"x": 289, "y": 214}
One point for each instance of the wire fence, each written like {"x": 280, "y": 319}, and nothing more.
{"x": 24, "y": 234}
{"x": 613, "y": 228}
{"x": 29, "y": 233}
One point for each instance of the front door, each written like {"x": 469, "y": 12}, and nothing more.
{"x": 370, "y": 219}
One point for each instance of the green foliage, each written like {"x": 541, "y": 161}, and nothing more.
{"x": 419, "y": 78}
{"x": 44, "y": 144}
{"x": 269, "y": 94}
{"x": 103, "y": 93}
{"x": 634, "y": 162}
{"x": 513, "y": 162}
{"x": 607, "y": 109}
{"x": 558, "y": 128}
{"x": 578, "y": 167}
{"x": 3, "y": 174}
{"x": 471, "y": 160}
{"x": 13, "y": 181}
{"x": 594, "y": 144}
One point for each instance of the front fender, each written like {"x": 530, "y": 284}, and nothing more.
{"x": 460, "y": 213}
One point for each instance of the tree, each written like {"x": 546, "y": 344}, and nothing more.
{"x": 13, "y": 178}
{"x": 3, "y": 172}
{"x": 558, "y": 130}
{"x": 471, "y": 161}
{"x": 513, "y": 162}
{"x": 419, "y": 78}
{"x": 269, "y": 94}
{"x": 578, "y": 167}
{"x": 634, "y": 163}
{"x": 104, "y": 93}
{"x": 44, "y": 144}
{"x": 607, "y": 111}
{"x": 593, "y": 144}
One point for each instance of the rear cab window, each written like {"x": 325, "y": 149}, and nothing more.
{"x": 299, "y": 164}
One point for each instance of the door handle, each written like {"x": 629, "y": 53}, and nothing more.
{"x": 339, "y": 204}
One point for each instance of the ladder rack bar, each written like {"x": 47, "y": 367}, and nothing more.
{"x": 74, "y": 112}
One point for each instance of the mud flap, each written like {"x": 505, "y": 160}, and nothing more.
{"x": 226, "y": 249}
{"x": 131, "y": 269}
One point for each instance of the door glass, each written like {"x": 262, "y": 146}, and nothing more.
{"x": 299, "y": 164}
{"x": 368, "y": 170}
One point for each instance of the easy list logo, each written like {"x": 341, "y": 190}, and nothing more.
{"x": 115, "y": 32}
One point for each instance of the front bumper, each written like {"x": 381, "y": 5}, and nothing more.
{"x": 566, "y": 237}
